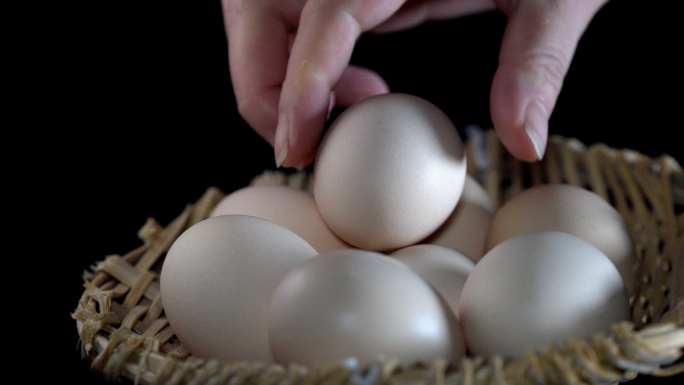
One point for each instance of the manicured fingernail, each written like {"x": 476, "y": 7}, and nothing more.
{"x": 536, "y": 126}
{"x": 280, "y": 147}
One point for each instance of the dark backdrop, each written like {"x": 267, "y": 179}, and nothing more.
{"x": 149, "y": 119}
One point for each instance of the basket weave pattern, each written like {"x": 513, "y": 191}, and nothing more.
{"x": 124, "y": 332}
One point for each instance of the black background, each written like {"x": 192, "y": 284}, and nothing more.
{"x": 142, "y": 118}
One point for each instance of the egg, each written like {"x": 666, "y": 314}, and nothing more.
{"x": 537, "y": 289}
{"x": 286, "y": 206}
{"x": 217, "y": 281}
{"x": 389, "y": 172}
{"x": 466, "y": 228}
{"x": 573, "y": 210}
{"x": 445, "y": 269}
{"x": 359, "y": 304}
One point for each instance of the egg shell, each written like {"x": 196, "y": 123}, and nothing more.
{"x": 360, "y": 304}
{"x": 445, "y": 269}
{"x": 217, "y": 280}
{"x": 389, "y": 172}
{"x": 537, "y": 289}
{"x": 573, "y": 210}
{"x": 466, "y": 228}
{"x": 286, "y": 206}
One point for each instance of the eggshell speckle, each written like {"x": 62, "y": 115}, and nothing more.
{"x": 217, "y": 280}
{"x": 291, "y": 208}
{"x": 539, "y": 288}
{"x": 389, "y": 172}
{"x": 361, "y": 304}
{"x": 573, "y": 210}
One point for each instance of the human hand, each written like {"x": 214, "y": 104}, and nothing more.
{"x": 289, "y": 63}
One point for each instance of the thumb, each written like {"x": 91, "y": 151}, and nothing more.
{"x": 538, "y": 45}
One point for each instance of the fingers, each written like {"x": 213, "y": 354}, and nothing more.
{"x": 538, "y": 45}
{"x": 358, "y": 83}
{"x": 258, "y": 53}
{"x": 328, "y": 30}
{"x": 416, "y": 12}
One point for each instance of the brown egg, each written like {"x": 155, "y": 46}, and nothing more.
{"x": 286, "y": 206}
{"x": 573, "y": 210}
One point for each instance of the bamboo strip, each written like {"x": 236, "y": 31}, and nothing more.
{"x": 127, "y": 274}
{"x": 163, "y": 241}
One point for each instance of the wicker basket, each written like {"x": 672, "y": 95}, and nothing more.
{"x": 124, "y": 333}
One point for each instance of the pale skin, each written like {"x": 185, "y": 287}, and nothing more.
{"x": 289, "y": 63}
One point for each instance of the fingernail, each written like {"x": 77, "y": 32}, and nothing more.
{"x": 280, "y": 147}
{"x": 536, "y": 126}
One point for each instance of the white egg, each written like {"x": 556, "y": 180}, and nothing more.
{"x": 389, "y": 172}
{"x": 445, "y": 269}
{"x": 573, "y": 210}
{"x": 360, "y": 304}
{"x": 466, "y": 228}
{"x": 217, "y": 280}
{"x": 537, "y": 289}
{"x": 289, "y": 207}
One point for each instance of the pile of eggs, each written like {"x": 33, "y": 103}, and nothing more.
{"x": 396, "y": 254}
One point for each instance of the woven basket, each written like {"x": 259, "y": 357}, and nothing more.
{"x": 123, "y": 331}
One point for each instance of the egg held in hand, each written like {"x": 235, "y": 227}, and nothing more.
{"x": 217, "y": 280}
{"x": 389, "y": 172}
{"x": 537, "y": 289}
{"x": 360, "y": 304}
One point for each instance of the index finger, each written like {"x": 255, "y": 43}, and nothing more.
{"x": 328, "y": 30}
{"x": 257, "y": 54}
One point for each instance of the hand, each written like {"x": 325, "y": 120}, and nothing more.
{"x": 289, "y": 63}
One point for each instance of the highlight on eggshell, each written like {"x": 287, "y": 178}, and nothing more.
{"x": 389, "y": 172}
{"x": 363, "y": 305}
{"x": 217, "y": 280}
{"x": 537, "y": 289}
{"x": 573, "y": 210}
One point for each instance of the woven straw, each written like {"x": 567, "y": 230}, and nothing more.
{"x": 124, "y": 333}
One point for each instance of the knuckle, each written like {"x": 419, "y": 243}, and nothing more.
{"x": 335, "y": 14}
{"x": 549, "y": 65}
